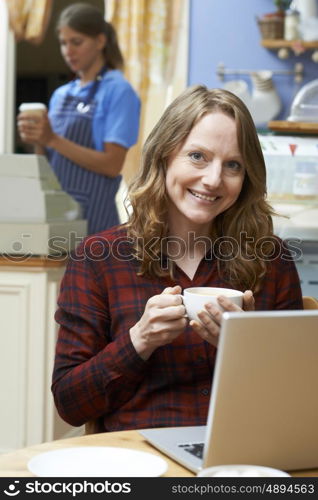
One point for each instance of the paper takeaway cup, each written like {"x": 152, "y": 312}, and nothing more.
{"x": 32, "y": 109}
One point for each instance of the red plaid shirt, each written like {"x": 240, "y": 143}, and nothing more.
{"x": 97, "y": 371}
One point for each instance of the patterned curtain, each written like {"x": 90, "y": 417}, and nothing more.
{"x": 148, "y": 33}
{"x": 29, "y": 19}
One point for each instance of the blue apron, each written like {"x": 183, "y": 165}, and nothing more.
{"x": 94, "y": 192}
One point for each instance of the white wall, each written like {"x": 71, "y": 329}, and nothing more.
{"x": 7, "y": 82}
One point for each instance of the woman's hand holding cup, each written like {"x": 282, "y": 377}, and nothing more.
{"x": 162, "y": 321}
{"x": 33, "y": 123}
{"x": 205, "y": 306}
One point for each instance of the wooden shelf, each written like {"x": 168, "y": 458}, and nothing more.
{"x": 293, "y": 127}
{"x": 278, "y": 44}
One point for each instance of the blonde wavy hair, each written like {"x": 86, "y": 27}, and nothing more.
{"x": 250, "y": 214}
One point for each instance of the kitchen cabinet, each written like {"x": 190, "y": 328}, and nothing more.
{"x": 28, "y": 294}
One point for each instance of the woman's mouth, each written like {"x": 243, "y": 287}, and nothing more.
{"x": 203, "y": 196}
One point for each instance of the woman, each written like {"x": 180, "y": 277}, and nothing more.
{"x": 126, "y": 353}
{"x": 92, "y": 121}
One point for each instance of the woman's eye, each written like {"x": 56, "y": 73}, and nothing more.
{"x": 196, "y": 156}
{"x": 233, "y": 166}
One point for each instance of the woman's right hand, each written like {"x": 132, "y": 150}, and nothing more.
{"x": 162, "y": 321}
{"x": 36, "y": 130}
{"x": 26, "y": 126}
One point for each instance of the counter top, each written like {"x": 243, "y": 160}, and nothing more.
{"x": 296, "y": 221}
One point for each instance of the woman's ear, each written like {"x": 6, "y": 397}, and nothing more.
{"x": 101, "y": 41}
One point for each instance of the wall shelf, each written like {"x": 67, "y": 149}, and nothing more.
{"x": 286, "y": 47}
{"x": 288, "y": 44}
{"x": 293, "y": 127}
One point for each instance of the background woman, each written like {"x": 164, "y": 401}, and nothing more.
{"x": 126, "y": 353}
{"x": 93, "y": 120}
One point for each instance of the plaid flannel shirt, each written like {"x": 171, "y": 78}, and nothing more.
{"x": 98, "y": 373}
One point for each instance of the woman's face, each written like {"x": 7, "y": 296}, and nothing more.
{"x": 205, "y": 175}
{"x": 80, "y": 51}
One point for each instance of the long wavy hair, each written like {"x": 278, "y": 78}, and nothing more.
{"x": 88, "y": 20}
{"x": 249, "y": 215}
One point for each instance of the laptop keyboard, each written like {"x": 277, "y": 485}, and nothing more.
{"x": 195, "y": 449}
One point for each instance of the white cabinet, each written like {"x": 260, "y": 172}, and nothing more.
{"x": 28, "y": 297}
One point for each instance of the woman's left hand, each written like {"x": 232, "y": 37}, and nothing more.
{"x": 210, "y": 320}
{"x": 36, "y": 131}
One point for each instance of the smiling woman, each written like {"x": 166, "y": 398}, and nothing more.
{"x": 205, "y": 176}
{"x": 205, "y": 154}
{"x": 126, "y": 353}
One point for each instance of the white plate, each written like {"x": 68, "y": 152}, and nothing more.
{"x": 97, "y": 461}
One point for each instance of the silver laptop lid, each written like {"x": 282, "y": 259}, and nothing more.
{"x": 264, "y": 403}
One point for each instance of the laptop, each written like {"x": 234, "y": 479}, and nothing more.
{"x": 264, "y": 401}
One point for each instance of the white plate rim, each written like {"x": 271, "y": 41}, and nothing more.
{"x": 160, "y": 464}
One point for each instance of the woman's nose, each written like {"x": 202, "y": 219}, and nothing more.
{"x": 212, "y": 176}
{"x": 67, "y": 50}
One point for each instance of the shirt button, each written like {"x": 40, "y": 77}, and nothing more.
{"x": 205, "y": 392}
{"x": 200, "y": 360}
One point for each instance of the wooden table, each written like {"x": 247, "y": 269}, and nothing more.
{"x": 15, "y": 464}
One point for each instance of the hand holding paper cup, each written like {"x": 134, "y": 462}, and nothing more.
{"x": 32, "y": 110}
{"x": 194, "y": 299}
{"x": 30, "y": 117}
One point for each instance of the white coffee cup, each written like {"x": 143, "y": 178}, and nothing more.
{"x": 32, "y": 109}
{"x": 194, "y": 299}
{"x": 241, "y": 471}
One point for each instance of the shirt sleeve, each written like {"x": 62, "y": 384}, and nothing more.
{"x": 120, "y": 123}
{"x": 288, "y": 288}
{"x": 93, "y": 374}
{"x": 281, "y": 287}
{"x": 52, "y": 101}
{"x": 59, "y": 93}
